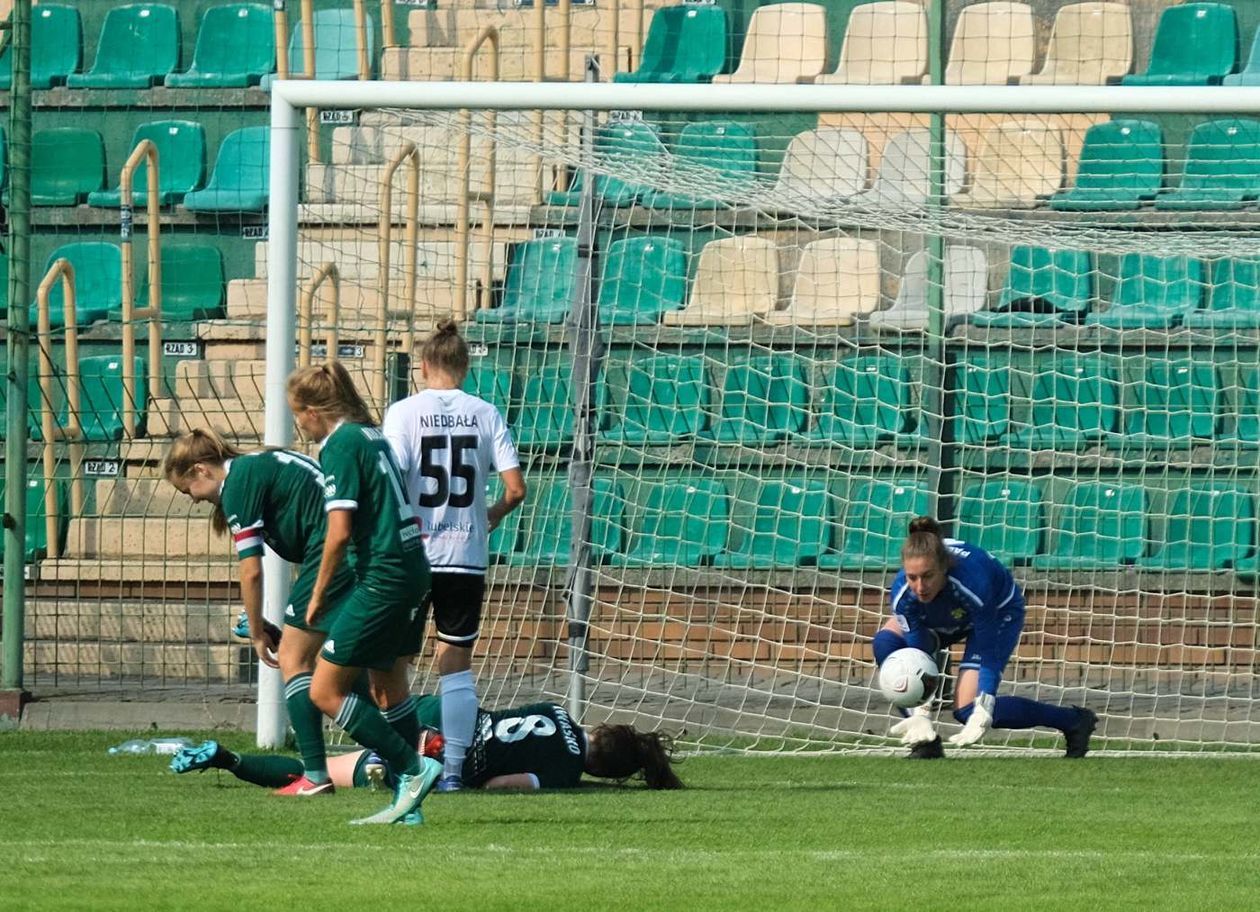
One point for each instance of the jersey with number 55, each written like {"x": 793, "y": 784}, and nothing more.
{"x": 447, "y": 442}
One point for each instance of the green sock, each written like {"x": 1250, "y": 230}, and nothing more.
{"x": 402, "y": 719}
{"x": 269, "y": 771}
{"x": 363, "y": 722}
{"x": 308, "y": 726}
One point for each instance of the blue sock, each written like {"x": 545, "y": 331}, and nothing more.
{"x": 885, "y": 644}
{"x": 1020, "y": 712}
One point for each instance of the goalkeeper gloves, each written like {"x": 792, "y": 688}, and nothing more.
{"x": 977, "y": 724}
{"x": 916, "y": 728}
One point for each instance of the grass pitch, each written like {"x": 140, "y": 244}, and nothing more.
{"x": 83, "y": 830}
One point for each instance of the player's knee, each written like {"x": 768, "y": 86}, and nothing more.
{"x": 886, "y": 642}
{"x": 924, "y": 639}
{"x": 963, "y": 713}
{"x": 325, "y": 698}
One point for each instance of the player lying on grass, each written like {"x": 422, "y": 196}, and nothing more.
{"x": 274, "y": 497}
{"x": 531, "y": 747}
{"x": 948, "y": 591}
{"x": 375, "y": 627}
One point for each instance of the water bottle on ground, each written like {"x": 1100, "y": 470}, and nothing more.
{"x": 164, "y": 746}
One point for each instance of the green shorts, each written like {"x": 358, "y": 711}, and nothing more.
{"x": 300, "y": 595}
{"x": 372, "y": 630}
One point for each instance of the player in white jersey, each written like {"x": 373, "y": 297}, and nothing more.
{"x": 447, "y": 442}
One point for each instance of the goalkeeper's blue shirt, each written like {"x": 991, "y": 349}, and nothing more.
{"x": 980, "y": 602}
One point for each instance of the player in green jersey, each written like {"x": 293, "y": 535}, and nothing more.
{"x": 376, "y": 627}
{"x": 530, "y": 747}
{"x": 272, "y": 497}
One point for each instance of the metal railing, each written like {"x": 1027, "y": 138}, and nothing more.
{"x": 145, "y": 151}
{"x": 62, "y": 270}
{"x": 328, "y": 272}
{"x": 467, "y": 195}
{"x": 406, "y": 153}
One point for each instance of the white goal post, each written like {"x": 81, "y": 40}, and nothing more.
{"x": 1210, "y": 712}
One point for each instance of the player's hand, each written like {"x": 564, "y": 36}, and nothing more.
{"x": 266, "y": 644}
{"x": 314, "y": 608}
{"x": 916, "y": 728}
{"x": 979, "y": 722}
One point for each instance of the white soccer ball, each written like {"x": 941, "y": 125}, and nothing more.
{"x": 908, "y": 677}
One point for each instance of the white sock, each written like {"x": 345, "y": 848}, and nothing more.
{"x": 459, "y": 718}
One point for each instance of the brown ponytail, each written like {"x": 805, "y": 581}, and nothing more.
{"x": 328, "y": 389}
{"x": 199, "y": 447}
{"x": 445, "y": 350}
{"x": 620, "y": 751}
{"x": 925, "y": 540}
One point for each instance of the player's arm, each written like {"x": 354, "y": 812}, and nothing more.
{"x": 336, "y": 540}
{"x": 514, "y": 492}
{"x": 519, "y": 781}
{"x": 260, "y": 634}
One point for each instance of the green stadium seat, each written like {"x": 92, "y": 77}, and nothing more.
{"x": 494, "y": 382}
{"x": 97, "y": 284}
{"x": 666, "y": 401}
{"x": 643, "y": 278}
{"x": 138, "y": 47}
{"x": 181, "y": 149}
{"x": 721, "y": 154}
{"x": 1075, "y": 404}
{"x": 619, "y": 145}
{"x": 56, "y": 47}
{"x": 1234, "y": 296}
{"x": 239, "y": 181}
{"x": 1043, "y": 288}
{"x": 790, "y": 524}
{"x": 101, "y": 397}
{"x": 1222, "y": 168}
{"x": 866, "y": 404}
{"x": 1121, "y": 165}
{"x": 1102, "y": 526}
{"x": 33, "y": 400}
{"x": 545, "y": 527}
{"x": 1176, "y": 404}
{"x": 539, "y": 285}
{"x": 67, "y": 164}
{"x": 192, "y": 283}
{"x": 36, "y": 513}
{"x": 336, "y": 46}
{"x": 1195, "y": 44}
{"x": 236, "y": 46}
{"x": 1250, "y": 74}
{"x": 545, "y": 418}
{"x": 875, "y": 524}
{"x": 764, "y": 400}
{"x": 685, "y": 43}
{"x": 684, "y": 524}
{"x": 1209, "y": 526}
{"x": 1246, "y": 413}
{"x": 4, "y": 159}
{"x": 1153, "y": 292}
{"x": 983, "y": 400}
{"x": 1006, "y": 517}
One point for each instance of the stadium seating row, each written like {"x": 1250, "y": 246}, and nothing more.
{"x": 68, "y": 168}
{"x": 837, "y": 280}
{"x": 1017, "y": 164}
{"x": 694, "y": 521}
{"x": 1074, "y": 402}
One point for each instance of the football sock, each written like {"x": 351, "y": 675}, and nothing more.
{"x": 885, "y": 644}
{"x": 308, "y": 726}
{"x": 402, "y": 719}
{"x": 459, "y": 718}
{"x": 362, "y": 722}
{"x": 1020, "y": 712}
{"x": 272, "y": 772}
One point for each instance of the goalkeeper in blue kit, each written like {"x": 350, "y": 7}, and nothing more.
{"x": 949, "y": 591}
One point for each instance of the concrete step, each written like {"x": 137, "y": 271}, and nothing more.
{"x": 159, "y": 622}
{"x": 148, "y": 568}
{"x": 170, "y": 663}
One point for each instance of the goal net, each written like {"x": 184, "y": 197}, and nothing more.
{"x": 740, "y": 347}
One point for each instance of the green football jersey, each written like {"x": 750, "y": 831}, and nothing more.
{"x": 539, "y": 738}
{"x": 275, "y": 497}
{"x": 360, "y": 475}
